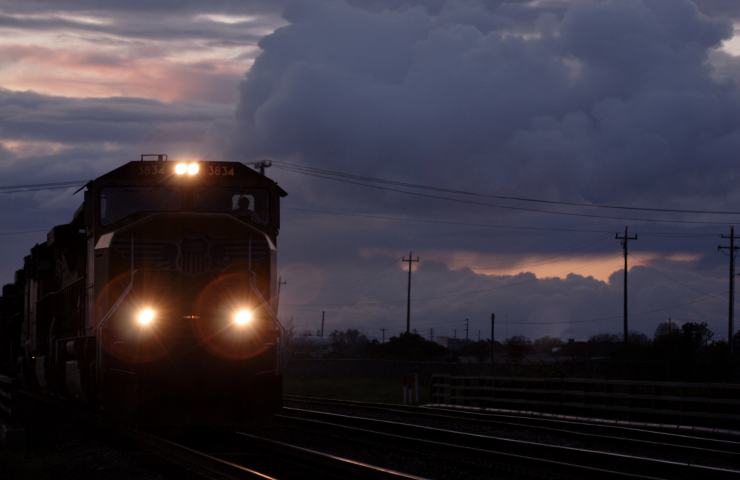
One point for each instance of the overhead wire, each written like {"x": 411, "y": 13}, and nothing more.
{"x": 33, "y": 187}
{"x": 287, "y": 165}
{"x": 319, "y": 211}
{"x": 492, "y": 205}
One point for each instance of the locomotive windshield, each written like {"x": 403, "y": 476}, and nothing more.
{"x": 117, "y": 203}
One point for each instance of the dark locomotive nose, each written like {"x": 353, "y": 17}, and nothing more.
{"x": 161, "y": 290}
{"x": 190, "y": 275}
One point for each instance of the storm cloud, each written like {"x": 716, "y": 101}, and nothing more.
{"x": 621, "y": 102}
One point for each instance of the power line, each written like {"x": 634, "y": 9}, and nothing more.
{"x": 445, "y": 222}
{"x": 661, "y": 234}
{"x": 41, "y": 186}
{"x": 347, "y": 175}
{"x": 506, "y": 207}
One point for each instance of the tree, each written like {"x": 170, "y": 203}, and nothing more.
{"x": 350, "y": 343}
{"x": 517, "y": 347}
{"x": 410, "y": 346}
{"x": 696, "y": 335}
{"x": 665, "y": 329}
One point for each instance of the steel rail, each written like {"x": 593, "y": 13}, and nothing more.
{"x": 575, "y": 425}
{"x": 200, "y": 463}
{"x": 685, "y": 450}
{"x": 696, "y": 431}
{"x": 614, "y": 464}
{"x": 327, "y": 463}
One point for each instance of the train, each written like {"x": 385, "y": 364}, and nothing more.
{"x": 157, "y": 303}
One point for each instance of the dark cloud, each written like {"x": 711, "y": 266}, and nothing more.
{"x": 159, "y": 6}
{"x": 31, "y": 116}
{"x": 720, "y": 8}
{"x": 176, "y": 27}
{"x": 599, "y": 101}
{"x": 602, "y": 90}
{"x": 572, "y": 307}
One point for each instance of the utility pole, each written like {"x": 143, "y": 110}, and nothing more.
{"x": 454, "y": 333}
{"x": 323, "y": 317}
{"x": 625, "y": 246}
{"x": 467, "y": 328}
{"x": 262, "y": 165}
{"x": 409, "y": 260}
{"x": 493, "y": 324}
{"x": 382, "y": 330}
{"x": 731, "y": 315}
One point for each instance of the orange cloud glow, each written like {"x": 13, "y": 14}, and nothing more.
{"x": 542, "y": 266}
{"x": 89, "y": 73}
{"x": 550, "y": 266}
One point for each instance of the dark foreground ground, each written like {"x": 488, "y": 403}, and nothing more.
{"x": 65, "y": 450}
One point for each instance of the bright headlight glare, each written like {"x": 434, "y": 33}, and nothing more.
{"x": 243, "y": 317}
{"x": 193, "y": 169}
{"x": 145, "y": 317}
{"x": 181, "y": 168}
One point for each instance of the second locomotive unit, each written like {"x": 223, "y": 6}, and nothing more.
{"x": 157, "y": 302}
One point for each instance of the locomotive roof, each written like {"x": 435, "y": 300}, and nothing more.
{"x": 153, "y": 171}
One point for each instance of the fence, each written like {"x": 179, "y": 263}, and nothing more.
{"x": 705, "y": 404}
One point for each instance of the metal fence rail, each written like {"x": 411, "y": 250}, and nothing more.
{"x": 705, "y": 404}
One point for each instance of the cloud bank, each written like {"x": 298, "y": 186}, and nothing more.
{"x": 628, "y": 101}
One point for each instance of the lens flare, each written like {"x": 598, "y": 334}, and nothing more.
{"x": 193, "y": 169}
{"x": 181, "y": 168}
{"x": 243, "y": 317}
{"x": 145, "y": 317}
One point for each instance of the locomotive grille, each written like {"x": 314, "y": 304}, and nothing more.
{"x": 157, "y": 255}
{"x": 192, "y": 255}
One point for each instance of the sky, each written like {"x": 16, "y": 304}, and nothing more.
{"x": 611, "y": 102}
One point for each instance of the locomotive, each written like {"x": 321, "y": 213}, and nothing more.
{"x": 157, "y": 303}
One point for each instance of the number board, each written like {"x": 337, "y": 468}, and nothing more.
{"x": 220, "y": 171}
{"x": 148, "y": 170}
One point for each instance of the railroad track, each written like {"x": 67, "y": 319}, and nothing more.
{"x": 568, "y": 461}
{"x": 701, "y": 442}
{"x": 251, "y": 456}
{"x": 192, "y": 461}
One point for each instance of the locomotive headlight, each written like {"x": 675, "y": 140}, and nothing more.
{"x": 243, "y": 317}
{"x": 145, "y": 317}
{"x": 193, "y": 169}
{"x": 181, "y": 169}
